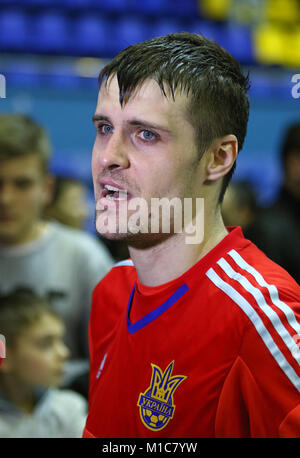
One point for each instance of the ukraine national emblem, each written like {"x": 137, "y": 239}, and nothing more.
{"x": 156, "y": 403}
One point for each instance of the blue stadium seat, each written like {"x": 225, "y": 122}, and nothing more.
{"x": 239, "y": 42}
{"x": 91, "y": 36}
{"x": 76, "y": 3}
{"x": 40, "y": 2}
{"x": 118, "y": 6}
{"x": 13, "y": 29}
{"x": 127, "y": 31}
{"x": 209, "y": 29}
{"x": 50, "y": 32}
{"x": 153, "y": 7}
{"x": 166, "y": 26}
{"x": 182, "y": 8}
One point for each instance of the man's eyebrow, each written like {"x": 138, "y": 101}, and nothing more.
{"x": 133, "y": 122}
{"x": 141, "y": 123}
{"x": 99, "y": 117}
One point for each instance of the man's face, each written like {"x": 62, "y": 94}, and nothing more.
{"x": 71, "y": 207}
{"x": 39, "y": 355}
{"x": 23, "y": 193}
{"x": 146, "y": 147}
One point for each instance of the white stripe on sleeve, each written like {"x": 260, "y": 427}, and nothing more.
{"x": 260, "y": 300}
{"x": 259, "y": 325}
{"x": 271, "y": 288}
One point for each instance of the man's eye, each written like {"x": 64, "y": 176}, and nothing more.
{"x": 104, "y": 129}
{"x": 148, "y": 135}
{"x": 23, "y": 183}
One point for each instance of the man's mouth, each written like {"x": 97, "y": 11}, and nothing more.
{"x": 113, "y": 193}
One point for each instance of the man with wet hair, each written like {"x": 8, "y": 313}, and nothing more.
{"x": 196, "y": 338}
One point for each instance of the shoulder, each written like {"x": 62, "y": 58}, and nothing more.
{"x": 270, "y": 300}
{"x": 75, "y": 237}
{"x": 121, "y": 276}
{"x": 250, "y": 271}
{"x": 112, "y": 293}
{"x": 79, "y": 243}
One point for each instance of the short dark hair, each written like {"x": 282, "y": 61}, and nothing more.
{"x": 20, "y": 136}
{"x": 189, "y": 62}
{"x": 19, "y": 309}
{"x": 290, "y": 142}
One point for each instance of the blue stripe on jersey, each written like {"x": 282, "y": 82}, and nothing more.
{"x": 151, "y": 316}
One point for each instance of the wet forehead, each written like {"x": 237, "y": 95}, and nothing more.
{"x": 147, "y": 100}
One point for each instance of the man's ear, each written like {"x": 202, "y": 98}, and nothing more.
{"x": 221, "y": 157}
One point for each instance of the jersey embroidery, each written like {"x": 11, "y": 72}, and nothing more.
{"x": 156, "y": 404}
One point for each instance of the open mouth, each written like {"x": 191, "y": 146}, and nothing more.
{"x": 113, "y": 193}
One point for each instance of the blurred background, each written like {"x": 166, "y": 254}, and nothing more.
{"x": 53, "y": 50}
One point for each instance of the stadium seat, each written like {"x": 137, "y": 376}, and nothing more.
{"x": 165, "y": 26}
{"x": 152, "y": 7}
{"x": 76, "y": 3}
{"x": 127, "y": 31}
{"x": 40, "y": 3}
{"x": 239, "y": 42}
{"x": 186, "y": 8}
{"x": 209, "y": 29}
{"x": 50, "y": 32}
{"x": 13, "y": 29}
{"x": 110, "y": 5}
{"x": 91, "y": 36}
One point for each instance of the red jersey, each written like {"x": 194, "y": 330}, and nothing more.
{"x": 213, "y": 353}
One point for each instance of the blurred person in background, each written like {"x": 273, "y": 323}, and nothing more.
{"x": 277, "y": 228}
{"x": 240, "y": 207}
{"x": 31, "y": 404}
{"x": 54, "y": 260}
{"x": 289, "y": 196}
{"x": 68, "y": 204}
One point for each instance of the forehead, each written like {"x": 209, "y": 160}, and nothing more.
{"x": 147, "y": 99}
{"x": 21, "y": 165}
{"x": 46, "y": 324}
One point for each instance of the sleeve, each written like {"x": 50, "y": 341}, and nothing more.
{"x": 260, "y": 396}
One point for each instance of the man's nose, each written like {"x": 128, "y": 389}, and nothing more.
{"x": 113, "y": 154}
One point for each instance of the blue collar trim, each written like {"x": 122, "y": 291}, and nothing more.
{"x": 151, "y": 316}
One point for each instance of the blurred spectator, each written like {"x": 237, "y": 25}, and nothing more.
{"x": 278, "y": 227}
{"x": 275, "y": 230}
{"x": 239, "y": 207}
{"x": 30, "y": 403}
{"x": 56, "y": 261}
{"x": 68, "y": 204}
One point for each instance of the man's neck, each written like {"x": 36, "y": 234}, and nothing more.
{"x": 162, "y": 263}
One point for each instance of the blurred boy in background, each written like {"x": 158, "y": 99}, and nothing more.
{"x": 68, "y": 204}
{"x": 56, "y": 261}
{"x": 276, "y": 229}
{"x": 30, "y": 403}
